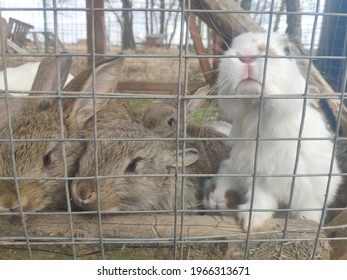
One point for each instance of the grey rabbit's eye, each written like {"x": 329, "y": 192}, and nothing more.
{"x": 132, "y": 165}
{"x": 171, "y": 121}
{"x": 47, "y": 159}
{"x": 287, "y": 51}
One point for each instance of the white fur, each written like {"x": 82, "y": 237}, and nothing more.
{"x": 280, "y": 118}
{"x": 22, "y": 77}
{"x": 221, "y": 126}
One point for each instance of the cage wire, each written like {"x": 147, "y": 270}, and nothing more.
{"x": 164, "y": 68}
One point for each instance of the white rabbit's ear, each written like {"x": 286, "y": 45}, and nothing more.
{"x": 46, "y": 78}
{"x": 107, "y": 76}
{"x": 83, "y": 109}
{"x": 191, "y": 155}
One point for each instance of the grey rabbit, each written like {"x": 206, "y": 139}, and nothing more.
{"x": 161, "y": 118}
{"x": 141, "y": 159}
{"x": 120, "y": 158}
{"x": 39, "y": 164}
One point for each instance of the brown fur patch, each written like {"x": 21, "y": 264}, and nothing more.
{"x": 233, "y": 199}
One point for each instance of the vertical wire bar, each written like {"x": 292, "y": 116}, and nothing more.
{"x": 298, "y": 147}
{"x": 179, "y": 98}
{"x": 13, "y": 159}
{"x": 261, "y": 103}
{"x": 62, "y": 131}
{"x": 45, "y": 23}
{"x": 184, "y": 123}
{"x": 95, "y": 133}
{"x": 343, "y": 87}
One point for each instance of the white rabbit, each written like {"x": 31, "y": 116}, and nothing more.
{"x": 243, "y": 76}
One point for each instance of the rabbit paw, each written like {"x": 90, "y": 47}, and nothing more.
{"x": 310, "y": 215}
{"x": 258, "y": 220}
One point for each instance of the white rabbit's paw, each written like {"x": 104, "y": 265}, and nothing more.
{"x": 258, "y": 220}
{"x": 310, "y": 215}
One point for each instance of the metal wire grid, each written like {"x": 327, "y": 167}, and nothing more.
{"x": 183, "y": 78}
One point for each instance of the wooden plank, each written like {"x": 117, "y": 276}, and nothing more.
{"x": 151, "y": 231}
{"x": 227, "y": 25}
{"x": 339, "y": 233}
{"x": 15, "y": 47}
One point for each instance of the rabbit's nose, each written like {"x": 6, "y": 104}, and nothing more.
{"x": 85, "y": 192}
{"x": 218, "y": 202}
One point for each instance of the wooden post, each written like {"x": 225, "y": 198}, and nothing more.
{"x": 99, "y": 29}
{"x": 3, "y": 33}
{"x": 199, "y": 48}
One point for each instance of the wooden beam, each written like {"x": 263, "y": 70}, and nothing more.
{"x": 151, "y": 231}
{"x": 199, "y": 48}
{"x": 227, "y": 25}
{"x": 15, "y": 47}
{"x": 99, "y": 29}
{"x": 218, "y": 49}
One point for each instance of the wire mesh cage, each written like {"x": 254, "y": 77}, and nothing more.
{"x": 129, "y": 132}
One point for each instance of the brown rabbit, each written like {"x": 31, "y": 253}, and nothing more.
{"x": 133, "y": 173}
{"x": 40, "y": 164}
{"x": 26, "y": 158}
{"x": 161, "y": 118}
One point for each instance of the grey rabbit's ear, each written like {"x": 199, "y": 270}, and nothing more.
{"x": 194, "y": 104}
{"x": 107, "y": 76}
{"x": 46, "y": 78}
{"x": 191, "y": 155}
{"x": 83, "y": 109}
{"x": 106, "y": 79}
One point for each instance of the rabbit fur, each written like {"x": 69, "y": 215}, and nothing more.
{"x": 118, "y": 158}
{"x": 161, "y": 118}
{"x": 44, "y": 186}
{"x": 280, "y": 118}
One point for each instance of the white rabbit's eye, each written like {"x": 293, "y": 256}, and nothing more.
{"x": 171, "y": 121}
{"x": 132, "y": 165}
{"x": 287, "y": 51}
{"x": 47, "y": 159}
